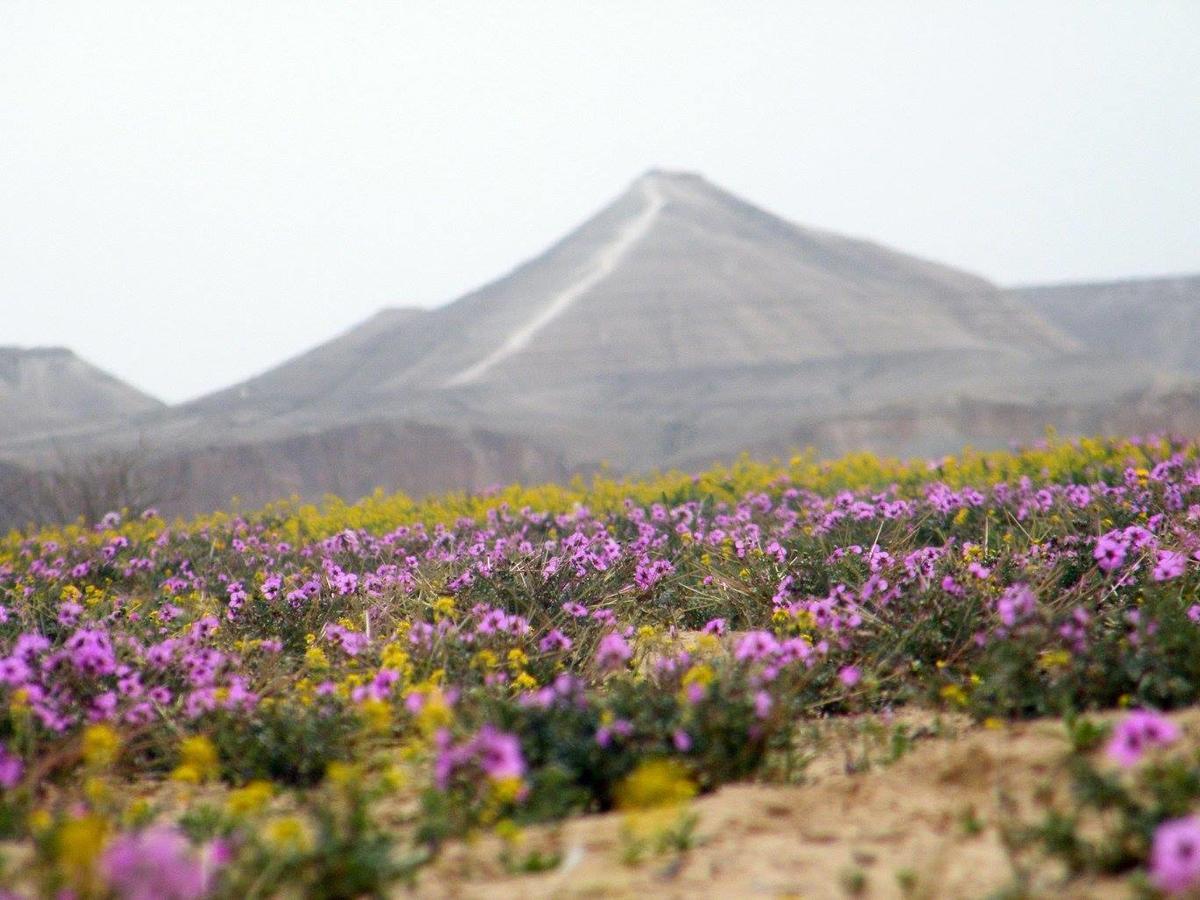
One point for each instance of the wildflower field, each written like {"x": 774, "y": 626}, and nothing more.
{"x": 455, "y": 696}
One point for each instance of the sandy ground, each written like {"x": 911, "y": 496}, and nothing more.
{"x": 893, "y": 830}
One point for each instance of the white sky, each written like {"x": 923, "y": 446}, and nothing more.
{"x": 191, "y": 192}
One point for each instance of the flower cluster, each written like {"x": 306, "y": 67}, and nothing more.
{"x": 523, "y": 653}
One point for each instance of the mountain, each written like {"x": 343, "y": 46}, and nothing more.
{"x": 1145, "y": 319}
{"x": 49, "y": 389}
{"x": 323, "y": 372}
{"x": 679, "y": 321}
{"x": 676, "y": 326}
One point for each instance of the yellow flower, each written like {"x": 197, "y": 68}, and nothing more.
{"x": 805, "y": 620}
{"x": 706, "y": 644}
{"x": 698, "y": 674}
{"x": 79, "y": 843}
{"x": 525, "y": 682}
{"x": 289, "y": 835}
{"x": 443, "y": 606}
{"x": 394, "y": 657}
{"x": 394, "y": 778}
{"x": 954, "y": 694}
{"x": 101, "y": 745}
{"x": 435, "y": 713}
{"x": 342, "y": 773}
{"x": 198, "y": 760}
{"x": 137, "y": 813}
{"x": 39, "y": 821}
{"x": 97, "y": 791}
{"x": 376, "y": 713}
{"x": 485, "y": 659}
{"x": 316, "y": 659}
{"x": 19, "y": 702}
{"x": 506, "y": 790}
{"x": 655, "y": 783}
{"x": 248, "y": 800}
{"x": 509, "y": 831}
{"x": 1054, "y": 659}
{"x": 517, "y": 659}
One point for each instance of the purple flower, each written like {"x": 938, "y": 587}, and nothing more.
{"x": 762, "y": 704}
{"x": 1169, "y": 565}
{"x": 619, "y": 728}
{"x": 494, "y": 752}
{"x": 1110, "y": 551}
{"x": 1015, "y": 604}
{"x": 11, "y": 769}
{"x": 849, "y": 676}
{"x": 755, "y": 645}
{"x": 499, "y": 754}
{"x": 156, "y": 864}
{"x": 1175, "y": 855}
{"x": 554, "y": 640}
{"x": 1139, "y": 731}
{"x": 613, "y": 651}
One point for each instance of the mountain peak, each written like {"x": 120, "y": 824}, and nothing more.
{"x": 44, "y": 388}
{"x": 671, "y": 176}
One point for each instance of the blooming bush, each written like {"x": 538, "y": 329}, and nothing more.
{"x": 328, "y": 694}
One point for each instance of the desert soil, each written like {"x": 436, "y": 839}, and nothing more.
{"x": 892, "y": 830}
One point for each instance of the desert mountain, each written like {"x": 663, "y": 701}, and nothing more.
{"x": 676, "y": 326}
{"x": 50, "y": 389}
{"x": 679, "y": 321}
{"x": 1145, "y": 319}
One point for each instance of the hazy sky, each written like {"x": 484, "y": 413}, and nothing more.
{"x": 191, "y": 192}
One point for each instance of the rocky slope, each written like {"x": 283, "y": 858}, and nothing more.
{"x": 1154, "y": 319}
{"x": 49, "y": 389}
{"x": 677, "y": 326}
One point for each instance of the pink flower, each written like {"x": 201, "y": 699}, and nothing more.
{"x": 1170, "y": 565}
{"x": 156, "y": 864}
{"x": 1175, "y": 855}
{"x": 496, "y": 753}
{"x": 555, "y": 640}
{"x": 1110, "y": 552}
{"x": 762, "y": 704}
{"x": 755, "y": 645}
{"x": 1140, "y": 730}
{"x": 849, "y": 676}
{"x": 499, "y": 754}
{"x": 11, "y": 769}
{"x": 613, "y": 651}
{"x": 1016, "y": 603}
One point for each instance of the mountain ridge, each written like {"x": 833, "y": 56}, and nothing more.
{"x": 677, "y": 325}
